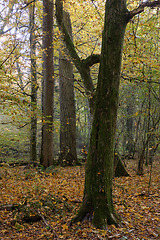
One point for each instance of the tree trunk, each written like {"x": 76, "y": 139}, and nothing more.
{"x": 119, "y": 169}
{"x": 68, "y": 154}
{"x": 129, "y": 126}
{"x": 97, "y": 203}
{"x": 47, "y": 154}
{"x": 33, "y": 140}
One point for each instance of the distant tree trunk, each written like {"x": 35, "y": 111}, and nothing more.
{"x": 68, "y": 154}
{"x": 119, "y": 168}
{"x": 129, "y": 126}
{"x": 33, "y": 138}
{"x": 47, "y": 154}
{"x": 140, "y": 170}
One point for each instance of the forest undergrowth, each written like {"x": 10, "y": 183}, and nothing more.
{"x": 39, "y": 204}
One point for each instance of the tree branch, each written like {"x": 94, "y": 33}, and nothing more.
{"x": 27, "y": 4}
{"x": 8, "y": 56}
{"x": 91, "y": 60}
{"x": 141, "y": 7}
{"x": 66, "y": 37}
{"x": 81, "y": 65}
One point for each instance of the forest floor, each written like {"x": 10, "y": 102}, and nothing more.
{"x": 36, "y": 204}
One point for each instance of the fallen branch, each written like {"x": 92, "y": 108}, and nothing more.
{"x": 44, "y": 220}
{"x": 46, "y": 223}
{"x": 9, "y": 207}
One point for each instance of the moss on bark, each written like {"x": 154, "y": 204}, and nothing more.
{"x": 119, "y": 168}
{"x": 97, "y": 205}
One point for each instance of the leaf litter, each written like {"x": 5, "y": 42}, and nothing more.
{"x": 36, "y": 204}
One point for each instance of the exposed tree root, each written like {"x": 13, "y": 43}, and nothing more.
{"x": 97, "y": 218}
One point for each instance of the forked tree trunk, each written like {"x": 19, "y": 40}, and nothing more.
{"x": 97, "y": 203}
{"x": 48, "y": 85}
{"x": 68, "y": 154}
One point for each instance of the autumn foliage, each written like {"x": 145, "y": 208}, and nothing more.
{"x": 37, "y": 204}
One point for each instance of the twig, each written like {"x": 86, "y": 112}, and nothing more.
{"x": 9, "y": 55}
{"x": 113, "y": 236}
{"x": 46, "y": 223}
{"x": 44, "y": 220}
{"x": 97, "y": 9}
{"x": 119, "y": 235}
{"x": 27, "y": 4}
{"x": 9, "y": 207}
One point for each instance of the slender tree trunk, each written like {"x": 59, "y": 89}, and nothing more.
{"x": 129, "y": 126}
{"x": 68, "y": 154}
{"x": 47, "y": 154}
{"x": 33, "y": 139}
{"x": 97, "y": 202}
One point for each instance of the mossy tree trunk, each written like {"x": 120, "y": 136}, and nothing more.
{"x": 97, "y": 202}
{"x": 97, "y": 205}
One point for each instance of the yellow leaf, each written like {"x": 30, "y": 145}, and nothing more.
{"x": 65, "y": 227}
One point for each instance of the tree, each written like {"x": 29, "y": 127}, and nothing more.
{"x": 129, "y": 127}
{"x": 33, "y": 140}
{"x": 48, "y": 85}
{"x": 68, "y": 153}
{"x": 4, "y": 20}
{"x": 97, "y": 203}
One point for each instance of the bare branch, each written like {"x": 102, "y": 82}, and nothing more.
{"x": 141, "y": 7}
{"x": 8, "y": 56}
{"x": 27, "y": 4}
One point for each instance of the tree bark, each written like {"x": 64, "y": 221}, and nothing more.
{"x": 83, "y": 66}
{"x": 68, "y": 154}
{"x": 47, "y": 153}
{"x": 119, "y": 169}
{"x": 33, "y": 137}
{"x": 129, "y": 126}
{"x": 97, "y": 202}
